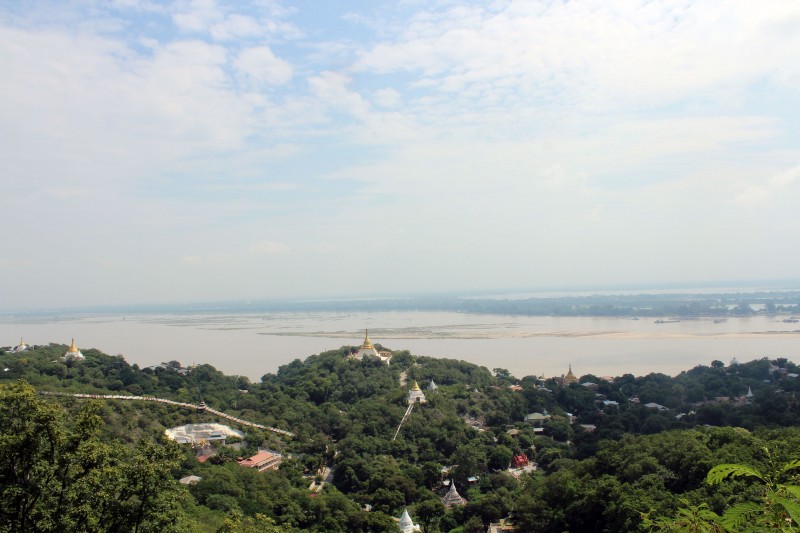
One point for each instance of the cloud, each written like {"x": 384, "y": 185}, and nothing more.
{"x": 198, "y": 16}
{"x": 236, "y": 27}
{"x": 207, "y": 260}
{"x": 332, "y": 88}
{"x": 593, "y": 53}
{"x": 755, "y": 195}
{"x": 269, "y": 248}
{"x": 387, "y": 97}
{"x": 261, "y": 65}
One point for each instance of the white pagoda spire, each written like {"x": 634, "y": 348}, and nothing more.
{"x": 406, "y": 524}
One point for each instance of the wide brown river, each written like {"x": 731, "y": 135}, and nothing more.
{"x": 254, "y": 344}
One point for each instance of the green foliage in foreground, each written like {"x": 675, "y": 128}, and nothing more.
{"x": 62, "y": 477}
{"x": 776, "y": 509}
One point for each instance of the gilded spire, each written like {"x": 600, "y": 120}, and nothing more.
{"x": 416, "y": 386}
{"x": 570, "y": 377}
{"x": 73, "y": 348}
{"x": 367, "y": 343}
{"x": 21, "y": 342}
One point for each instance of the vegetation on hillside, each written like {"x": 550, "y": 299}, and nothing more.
{"x": 623, "y": 455}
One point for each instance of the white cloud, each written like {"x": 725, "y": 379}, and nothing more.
{"x": 756, "y": 194}
{"x": 236, "y": 26}
{"x": 603, "y": 54}
{"x": 332, "y": 88}
{"x": 387, "y": 97}
{"x": 261, "y": 65}
{"x": 198, "y": 15}
{"x": 207, "y": 260}
{"x": 269, "y": 248}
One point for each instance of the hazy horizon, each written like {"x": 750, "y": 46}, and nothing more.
{"x": 155, "y": 152}
{"x": 299, "y": 303}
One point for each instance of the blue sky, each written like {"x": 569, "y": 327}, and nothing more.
{"x": 202, "y": 150}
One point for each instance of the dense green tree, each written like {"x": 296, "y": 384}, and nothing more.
{"x": 59, "y": 477}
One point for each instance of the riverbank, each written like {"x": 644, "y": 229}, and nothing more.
{"x": 257, "y": 343}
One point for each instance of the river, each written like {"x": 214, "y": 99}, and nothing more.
{"x": 254, "y": 344}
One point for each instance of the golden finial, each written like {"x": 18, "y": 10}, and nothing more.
{"x": 367, "y": 344}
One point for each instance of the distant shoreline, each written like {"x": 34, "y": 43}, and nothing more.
{"x": 656, "y": 304}
{"x": 387, "y": 335}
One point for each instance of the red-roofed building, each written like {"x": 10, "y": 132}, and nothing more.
{"x": 519, "y": 461}
{"x": 263, "y": 460}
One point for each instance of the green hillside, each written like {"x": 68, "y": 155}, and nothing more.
{"x": 622, "y": 454}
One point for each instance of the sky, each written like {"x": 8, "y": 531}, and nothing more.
{"x": 163, "y": 152}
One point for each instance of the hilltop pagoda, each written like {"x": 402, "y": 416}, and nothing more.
{"x": 20, "y": 347}
{"x": 367, "y": 348}
{"x": 73, "y": 354}
{"x": 570, "y": 377}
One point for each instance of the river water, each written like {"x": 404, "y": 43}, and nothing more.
{"x": 254, "y": 344}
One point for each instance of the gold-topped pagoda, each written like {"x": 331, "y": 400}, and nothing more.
{"x": 367, "y": 345}
{"x": 415, "y": 394}
{"x": 570, "y": 377}
{"x": 367, "y": 348}
{"x": 73, "y": 353}
{"x": 20, "y": 347}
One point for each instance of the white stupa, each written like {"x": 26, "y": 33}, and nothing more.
{"x": 453, "y": 498}
{"x": 406, "y": 524}
{"x": 73, "y": 354}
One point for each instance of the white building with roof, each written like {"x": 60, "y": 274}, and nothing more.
{"x": 202, "y": 433}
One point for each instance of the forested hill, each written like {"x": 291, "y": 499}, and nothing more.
{"x": 623, "y": 454}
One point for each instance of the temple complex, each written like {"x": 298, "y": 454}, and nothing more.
{"x": 453, "y": 498}
{"x": 415, "y": 394}
{"x": 73, "y": 353}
